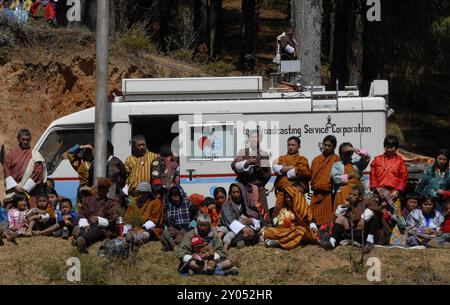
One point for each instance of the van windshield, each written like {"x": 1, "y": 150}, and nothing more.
{"x": 59, "y": 141}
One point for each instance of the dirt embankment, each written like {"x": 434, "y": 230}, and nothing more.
{"x": 47, "y": 75}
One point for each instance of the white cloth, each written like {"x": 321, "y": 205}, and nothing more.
{"x": 10, "y": 183}
{"x": 186, "y": 258}
{"x": 125, "y": 190}
{"x": 29, "y": 185}
{"x": 236, "y": 227}
{"x": 341, "y": 210}
{"x": 256, "y": 224}
{"x": 149, "y": 225}
{"x": 367, "y": 215}
{"x": 291, "y": 173}
{"x": 312, "y": 225}
{"x": 83, "y": 222}
{"x": 45, "y": 217}
{"x": 277, "y": 168}
{"x": 241, "y": 167}
{"x": 216, "y": 256}
{"x": 102, "y": 222}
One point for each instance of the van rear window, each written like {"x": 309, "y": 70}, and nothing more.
{"x": 212, "y": 141}
{"x": 59, "y": 141}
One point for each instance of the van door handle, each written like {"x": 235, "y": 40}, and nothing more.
{"x": 190, "y": 171}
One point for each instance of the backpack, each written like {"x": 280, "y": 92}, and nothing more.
{"x": 325, "y": 231}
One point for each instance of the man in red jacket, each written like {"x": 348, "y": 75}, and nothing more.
{"x": 389, "y": 170}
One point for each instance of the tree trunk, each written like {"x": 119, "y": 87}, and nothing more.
{"x": 249, "y": 32}
{"x": 339, "y": 69}
{"x": 215, "y": 26}
{"x": 332, "y": 27}
{"x": 355, "y": 54}
{"x": 307, "y": 22}
{"x": 164, "y": 12}
{"x": 201, "y": 21}
{"x": 185, "y": 24}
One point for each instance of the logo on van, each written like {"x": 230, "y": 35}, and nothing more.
{"x": 209, "y": 143}
{"x": 333, "y": 128}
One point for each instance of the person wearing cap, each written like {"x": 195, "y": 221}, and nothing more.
{"x": 202, "y": 252}
{"x": 144, "y": 217}
{"x": 97, "y": 216}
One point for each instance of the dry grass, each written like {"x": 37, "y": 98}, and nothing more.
{"x": 41, "y": 260}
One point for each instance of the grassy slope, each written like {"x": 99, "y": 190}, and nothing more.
{"x": 42, "y": 261}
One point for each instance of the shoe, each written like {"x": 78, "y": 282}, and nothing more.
{"x": 231, "y": 271}
{"x": 81, "y": 244}
{"x": 271, "y": 243}
{"x": 129, "y": 237}
{"x": 240, "y": 244}
{"x": 348, "y": 242}
{"x": 326, "y": 245}
{"x": 434, "y": 244}
{"x": 166, "y": 242}
{"x": 368, "y": 247}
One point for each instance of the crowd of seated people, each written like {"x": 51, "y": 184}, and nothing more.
{"x": 145, "y": 192}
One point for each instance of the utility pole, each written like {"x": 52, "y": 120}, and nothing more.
{"x": 101, "y": 92}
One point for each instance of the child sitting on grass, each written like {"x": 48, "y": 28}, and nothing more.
{"x": 442, "y": 240}
{"x": 40, "y": 218}
{"x": 17, "y": 218}
{"x": 66, "y": 220}
{"x": 203, "y": 255}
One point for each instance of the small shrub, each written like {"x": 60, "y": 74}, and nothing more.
{"x": 218, "y": 68}
{"x": 137, "y": 39}
{"x": 395, "y": 130}
{"x": 183, "y": 54}
{"x": 55, "y": 270}
{"x": 92, "y": 272}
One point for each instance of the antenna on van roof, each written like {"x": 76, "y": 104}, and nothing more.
{"x": 337, "y": 94}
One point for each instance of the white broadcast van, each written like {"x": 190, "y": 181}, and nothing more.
{"x": 206, "y": 121}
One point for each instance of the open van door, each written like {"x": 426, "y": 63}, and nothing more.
{"x": 208, "y": 145}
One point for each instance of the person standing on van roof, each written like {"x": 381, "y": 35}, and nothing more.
{"x": 291, "y": 169}
{"x": 287, "y": 45}
{"x": 138, "y": 165}
{"x": 347, "y": 172}
{"x": 321, "y": 202}
{"x": 389, "y": 171}
{"x": 252, "y": 167}
{"x": 24, "y": 169}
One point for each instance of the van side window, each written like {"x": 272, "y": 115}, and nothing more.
{"x": 212, "y": 141}
{"x": 59, "y": 141}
